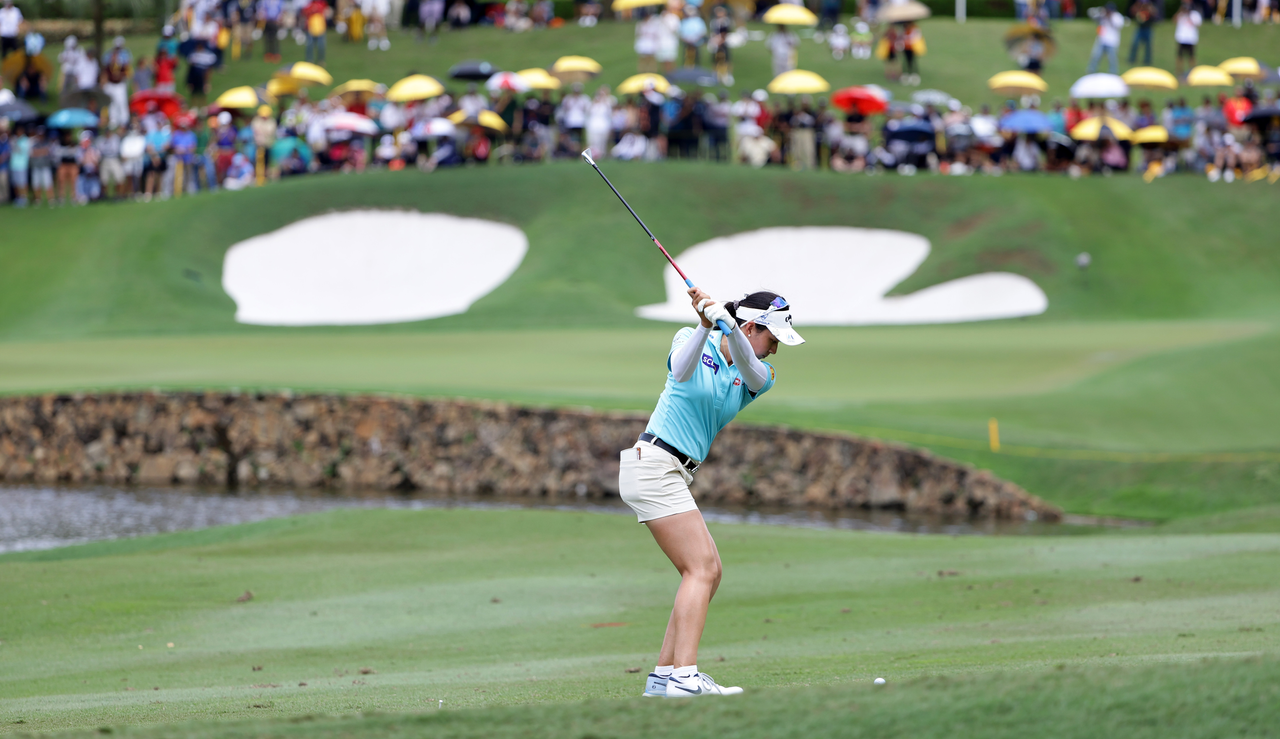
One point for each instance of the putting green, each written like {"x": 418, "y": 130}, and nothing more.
{"x": 486, "y": 608}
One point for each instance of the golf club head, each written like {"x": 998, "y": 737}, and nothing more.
{"x": 586, "y": 154}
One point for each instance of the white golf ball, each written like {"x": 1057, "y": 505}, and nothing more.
{"x": 879, "y": 681}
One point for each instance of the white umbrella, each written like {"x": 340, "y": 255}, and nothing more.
{"x": 434, "y": 127}
{"x": 353, "y": 122}
{"x": 936, "y": 98}
{"x": 507, "y": 81}
{"x": 1100, "y": 85}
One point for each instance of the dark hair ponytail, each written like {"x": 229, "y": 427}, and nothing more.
{"x": 762, "y": 300}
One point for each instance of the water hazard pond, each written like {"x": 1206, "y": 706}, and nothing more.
{"x": 38, "y": 517}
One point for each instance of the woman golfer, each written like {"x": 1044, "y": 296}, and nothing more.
{"x": 711, "y": 378}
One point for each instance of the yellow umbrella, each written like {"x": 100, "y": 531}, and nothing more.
{"x": 1206, "y": 76}
{"x": 1090, "y": 129}
{"x": 487, "y": 119}
{"x": 244, "y": 97}
{"x": 282, "y": 86}
{"x": 1243, "y": 67}
{"x": 576, "y": 64}
{"x": 538, "y": 79}
{"x": 357, "y": 86}
{"x": 575, "y": 68}
{"x": 902, "y": 12}
{"x": 1149, "y": 78}
{"x": 306, "y": 73}
{"x": 798, "y": 82}
{"x": 1017, "y": 83}
{"x": 633, "y": 4}
{"x": 636, "y": 83}
{"x": 415, "y": 87}
{"x": 786, "y": 14}
{"x": 1150, "y": 135}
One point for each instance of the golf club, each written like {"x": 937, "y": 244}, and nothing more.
{"x": 586, "y": 155}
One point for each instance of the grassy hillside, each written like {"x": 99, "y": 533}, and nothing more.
{"x": 486, "y": 608}
{"x": 960, "y": 57}
{"x": 1177, "y": 249}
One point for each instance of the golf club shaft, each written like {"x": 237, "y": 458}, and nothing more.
{"x": 724, "y": 328}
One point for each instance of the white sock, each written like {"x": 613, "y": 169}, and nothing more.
{"x": 663, "y": 671}
{"x": 685, "y": 672}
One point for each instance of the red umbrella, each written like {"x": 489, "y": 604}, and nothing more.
{"x": 169, "y": 103}
{"x": 860, "y": 99}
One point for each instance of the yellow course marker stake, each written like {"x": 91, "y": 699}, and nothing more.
{"x": 993, "y": 432}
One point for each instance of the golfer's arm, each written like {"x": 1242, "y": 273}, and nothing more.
{"x": 684, "y": 359}
{"x": 754, "y": 372}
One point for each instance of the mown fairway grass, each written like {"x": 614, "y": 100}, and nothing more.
{"x": 491, "y": 608}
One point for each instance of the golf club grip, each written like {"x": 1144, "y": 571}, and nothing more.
{"x": 724, "y": 327}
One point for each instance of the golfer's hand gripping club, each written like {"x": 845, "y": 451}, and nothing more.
{"x": 723, "y": 325}
{"x": 715, "y": 312}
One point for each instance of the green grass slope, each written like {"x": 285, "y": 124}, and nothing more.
{"x": 1178, "y": 249}
{"x": 960, "y": 58}
{"x": 482, "y": 609}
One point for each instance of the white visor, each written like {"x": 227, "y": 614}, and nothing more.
{"x": 777, "y": 321}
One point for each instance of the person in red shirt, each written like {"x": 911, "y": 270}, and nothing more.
{"x": 1235, "y": 109}
{"x": 316, "y": 21}
{"x": 1074, "y": 114}
{"x": 165, "y": 66}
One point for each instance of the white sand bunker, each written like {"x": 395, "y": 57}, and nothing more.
{"x": 364, "y": 267}
{"x": 839, "y": 276}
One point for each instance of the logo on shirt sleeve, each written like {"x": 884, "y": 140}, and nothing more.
{"x": 707, "y": 360}
{"x": 737, "y": 381}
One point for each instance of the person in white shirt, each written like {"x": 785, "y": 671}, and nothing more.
{"x": 1110, "y": 21}
{"x": 377, "y": 11}
{"x": 1186, "y": 32}
{"x": 600, "y": 122}
{"x": 68, "y": 63}
{"x": 745, "y": 109}
{"x": 668, "y": 39}
{"x": 572, "y": 113}
{"x": 782, "y": 45}
{"x": 647, "y": 43}
{"x": 86, "y": 72}
{"x": 473, "y": 102}
{"x": 10, "y": 28}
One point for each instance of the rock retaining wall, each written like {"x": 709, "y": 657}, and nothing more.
{"x": 459, "y": 447}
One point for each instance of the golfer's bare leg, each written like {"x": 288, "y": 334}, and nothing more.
{"x": 687, "y": 543}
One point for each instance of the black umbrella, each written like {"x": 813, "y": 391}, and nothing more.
{"x": 700, "y": 76}
{"x": 474, "y": 70}
{"x": 910, "y": 132}
{"x": 1261, "y": 116}
{"x": 18, "y": 111}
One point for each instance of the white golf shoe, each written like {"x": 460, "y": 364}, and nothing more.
{"x": 655, "y": 687}
{"x": 700, "y": 684}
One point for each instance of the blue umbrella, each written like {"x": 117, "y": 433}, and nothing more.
{"x": 1026, "y": 121}
{"x": 73, "y": 118}
{"x": 281, "y": 149}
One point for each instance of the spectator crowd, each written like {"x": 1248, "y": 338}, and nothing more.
{"x": 141, "y": 140}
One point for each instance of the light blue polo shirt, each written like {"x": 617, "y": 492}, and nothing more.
{"x": 691, "y": 413}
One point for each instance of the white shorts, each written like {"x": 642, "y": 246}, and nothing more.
{"x": 654, "y": 483}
